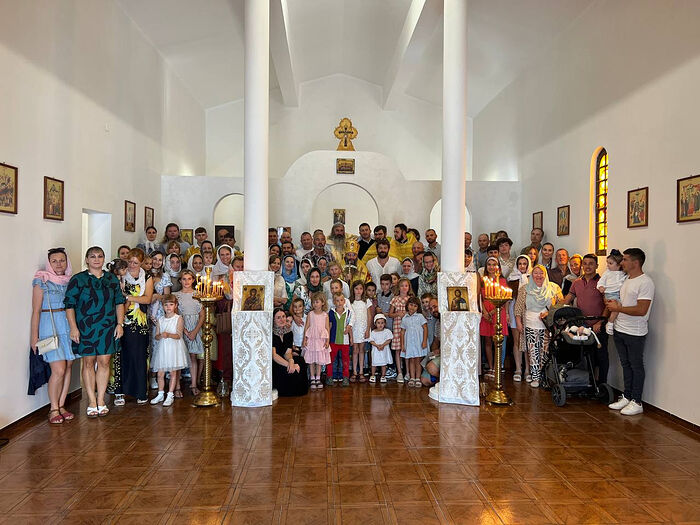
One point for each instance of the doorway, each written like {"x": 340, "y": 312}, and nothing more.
{"x": 356, "y": 203}
{"x": 96, "y": 231}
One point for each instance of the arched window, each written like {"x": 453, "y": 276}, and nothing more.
{"x": 601, "y": 203}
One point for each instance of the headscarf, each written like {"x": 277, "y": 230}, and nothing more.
{"x": 430, "y": 277}
{"x": 279, "y": 331}
{"x": 411, "y": 273}
{"x": 169, "y": 270}
{"x": 291, "y": 277}
{"x": 552, "y": 261}
{"x": 571, "y": 276}
{"x": 323, "y": 274}
{"x": 302, "y": 278}
{"x": 516, "y": 275}
{"x": 189, "y": 263}
{"x": 540, "y": 297}
{"x": 48, "y": 274}
{"x": 135, "y": 314}
{"x": 139, "y": 281}
{"x": 486, "y": 273}
{"x": 219, "y": 267}
{"x": 309, "y": 287}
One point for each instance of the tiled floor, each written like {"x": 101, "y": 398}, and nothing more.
{"x": 363, "y": 454}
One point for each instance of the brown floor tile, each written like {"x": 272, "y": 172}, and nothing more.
{"x": 100, "y": 499}
{"x": 263, "y": 496}
{"x": 356, "y": 493}
{"x": 401, "y": 472}
{"x": 306, "y": 516}
{"x": 206, "y": 496}
{"x": 500, "y": 490}
{"x": 367, "y": 515}
{"x": 198, "y": 517}
{"x": 152, "y": 499}
{"x": 556, "y": 491}
{"x": 45, "y": 502}
{"x": 416, "y": 514}
{"x": 579, "y": 513}
{"x": 263, "y": 475}
{"x": 309, "y": 474}
{"x": 250, "y": 517}
{"x": 357, "y": 473}
{"x": 414, "y": 491}
{"x": 627, "y": 511}
{"x": 309, "y": 495}
{"x": 676, "y": 511}
{"x": 82, "y": 517}
{"x": 469, "y": 513}
{"x": 456, "y": 491}
{"x": 522, "y": 512}
{"x": 445, "y": 471}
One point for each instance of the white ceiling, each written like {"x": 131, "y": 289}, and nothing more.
{"x": 202, "y": 41}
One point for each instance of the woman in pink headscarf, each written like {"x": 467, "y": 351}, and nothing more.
{"x": 49, "y": 288}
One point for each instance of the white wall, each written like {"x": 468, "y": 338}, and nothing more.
{"x": 624, "y": 77}
{"x": 357, "y": 202}
{"x": 411, "y": 134}
{"x": 229, "y": 212}
{"x": 83, "y": 100}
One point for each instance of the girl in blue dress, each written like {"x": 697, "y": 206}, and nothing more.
{"x": 48, "y": 290}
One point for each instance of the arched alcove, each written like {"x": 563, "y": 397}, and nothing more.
{"x": 229, "y": 212}
{"x": 436, "y": 218}
{"x": 358, "y": 203}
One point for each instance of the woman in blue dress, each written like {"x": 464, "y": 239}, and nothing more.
{"x": 48, "y": 290}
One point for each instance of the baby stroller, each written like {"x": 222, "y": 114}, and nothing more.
{"x": 568, "y": 367}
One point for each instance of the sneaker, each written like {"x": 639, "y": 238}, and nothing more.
{"x": 609, "y": 328}
{"x": 535, "y": 384}
{"x": 346, "y": 381}
{"x": 141, "y": 401}
{"x": 329, "y": 381}
{"x": 383, "y": 379}
{"x": 399, "y": 378}
{"x": 406, "y": 377}
{"x": 391, "y": 373}
{"x": 621, "y": 403}
{"x": 154, "y": 383}
{"x": 373, "y": 379}
{"x": 159, "y": 398}
{"x": 313, "y": 384}
{"x": 632, "y": 409}
{"x": 119, "y": 400}
{"x": 169, "y": 400}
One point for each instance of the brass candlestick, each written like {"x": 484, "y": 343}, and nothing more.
{"x": 207, "y": 293}
{"x": 498, "y": 296}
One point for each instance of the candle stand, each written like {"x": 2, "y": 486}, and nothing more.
{"x": 207, "y": 293}
{"x": 498, "y": 296}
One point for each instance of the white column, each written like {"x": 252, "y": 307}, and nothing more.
{"x": 454, "y": 135}
{"x": 459, "y": 331}
{"x": 256, "y": 132}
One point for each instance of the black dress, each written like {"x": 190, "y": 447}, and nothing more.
{"x": 288, "y": 385}
{"x": 134, "y": 366}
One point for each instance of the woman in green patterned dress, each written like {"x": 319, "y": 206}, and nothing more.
{"x": 95, "y": 310}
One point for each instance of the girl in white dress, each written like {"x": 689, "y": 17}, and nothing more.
{"x": 171, "y": 353}
{"x": 360, "y": 329}
{"x": 380, "y": 338}
{"x": 193, "y": 315}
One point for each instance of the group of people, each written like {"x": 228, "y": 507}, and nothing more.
{"x": 347, "y": 309}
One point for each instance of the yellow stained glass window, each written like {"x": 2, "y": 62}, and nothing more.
{"x": 601, "y": 204}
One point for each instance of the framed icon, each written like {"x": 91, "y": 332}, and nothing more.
{"x": 187, "y": 235}
{"x": 148, "y": 217}
{"x": 338, "y": 215}
{"x": 458, "y": 298}
{"x": 129, "y": 216}
{"x": 688, "y": 199}
{"x": 537, "y": 220}
{"x": 253, "y": 299}
{"x": 638, "y": 208}
{"x": 53, "y": 199}
{"x": 563, "y": 220}
{"x": 345, "y": 166}
{"x": 8, "y": 188}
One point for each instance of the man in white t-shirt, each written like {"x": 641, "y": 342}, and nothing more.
{"x": 631, "y": 328}
{"x": 382, "y": 263}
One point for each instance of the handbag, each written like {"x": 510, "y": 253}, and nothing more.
{"x": 49, "y": 343}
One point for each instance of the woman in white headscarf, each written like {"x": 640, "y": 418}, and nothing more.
{"x": 408, "y": 271}
{"x": 516, "y": 280}
{"x": 280, "y": 297}
{"x": 574, "y": 266}
{"x": 531, "y": 308}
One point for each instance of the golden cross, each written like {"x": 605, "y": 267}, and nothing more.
{"x": 346, "y": 133}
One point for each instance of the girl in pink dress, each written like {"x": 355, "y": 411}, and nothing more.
{"x": 316, "y": 350}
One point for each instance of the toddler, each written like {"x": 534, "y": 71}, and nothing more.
{"x": 610, "y": 284}
{"x": 414, "y": 339}
{"x": 380, "y": 338}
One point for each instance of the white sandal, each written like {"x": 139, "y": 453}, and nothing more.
{"x": 92, "y": 412}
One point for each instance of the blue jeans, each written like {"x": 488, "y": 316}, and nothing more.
{"x": 630, "y": 348}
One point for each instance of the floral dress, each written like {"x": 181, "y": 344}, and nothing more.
{"x": 399, "y": 304}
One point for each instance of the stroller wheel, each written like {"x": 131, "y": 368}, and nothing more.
{"x": 605, "y": 394}
{"x": 559, "y": 395}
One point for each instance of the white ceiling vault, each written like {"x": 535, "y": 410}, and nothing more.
{"x": 396, "y": 44}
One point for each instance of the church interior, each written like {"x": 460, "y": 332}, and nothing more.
{"x": 480, "y": 116}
